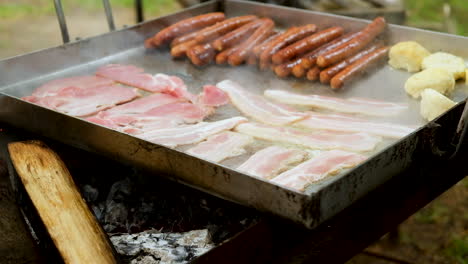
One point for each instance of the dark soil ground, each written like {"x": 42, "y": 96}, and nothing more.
{"x": 436, "y": 234}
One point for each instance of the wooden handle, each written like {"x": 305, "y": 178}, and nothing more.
{"x": 74, "y": 230}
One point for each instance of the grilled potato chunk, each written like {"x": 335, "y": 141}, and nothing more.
{"x": 438, "y": 79}
{"x": 447, "y": 61}
{"x": 434, "y": 104}
{"x": 407, "y": 55}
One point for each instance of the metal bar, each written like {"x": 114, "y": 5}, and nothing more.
{"x": 139, "y": 11}
{"x": 110, "y": 18}
{"x": 61, "y": 20}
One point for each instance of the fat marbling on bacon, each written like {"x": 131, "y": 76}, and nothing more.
{"x": 190, "y": 134}
{"x": 82, "y": 82}
{"x": 346, "y": 123}
{"x": 84, "y": 102}
{"x": 258, "y": 107}
{"x": 363, "y": 106}
{"x": 317, "y": 168}
{"x": 221, "y": 146}
{"x": 321, "y": 140}
{"x": 271, "y": 161}
{"x": 133, "y": 76}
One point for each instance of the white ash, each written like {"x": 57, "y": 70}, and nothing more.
{"x": 152, "y": 246}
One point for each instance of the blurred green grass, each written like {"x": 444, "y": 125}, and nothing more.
{"x": 421, "y": 13}
{"x": 22, "y": 8}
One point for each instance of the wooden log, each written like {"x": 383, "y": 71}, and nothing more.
{"x": 71, "y": 225}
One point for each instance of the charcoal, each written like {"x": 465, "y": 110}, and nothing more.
{"x": 90, "y": 194}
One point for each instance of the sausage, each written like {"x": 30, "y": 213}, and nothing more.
{"x": 287, "y": 38}
{"x": 185, "y": 38}
{"x": 353, "y": 46}
{"x": 328, "y": 73}
{"x": 181, "y": 49}
{"x": 302, "y": 46}
{"x": 298, "y": 71}
{"x": 261, "y": 47}
{"x": 313, "y": 74}
{"x": 201, "y": 54}
{"x": 236, "y": 36}
{"x": 357, "y": 67}
{"x": 185, "y": 26}
{"x": 240, "y": 55}
{"x": 283, "y": 70}
{"x": 310, "y": 58}
{"x": 219, "y": 29}
{"x": 252, "y": 59}
{"x": 222, "y": 57}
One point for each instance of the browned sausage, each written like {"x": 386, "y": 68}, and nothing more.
{"x": 357, "y": 67}
{"x": 201, "y": 54}
{"x": 309, "y": 43}
{"x": 181, "y": 49}
{"x": 310, "y": 58}
{"x": 185, "y": 38}
{"x": 298, "y": 71}
{"x": 313, "y": 74}
{"x": 328, "y": 73}
{"x": 261, "y": 47}
{"x": 287, "y": 38}
{"x": 354, "y": 45}
{"x": 283, "y": 70}
{"x": 219, "y": 29}
{"x": 222, "y": 57}
{"x": 246, "y": 47}
{"x": 185, "y": 26}
{"x": 236, "y": 36}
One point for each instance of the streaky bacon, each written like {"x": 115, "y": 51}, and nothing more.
{"x": 351, "y": 105}
{"x": 346, "y": 123}
{"x": 190, "y": 113}
{"x": 221, "y": 146}
{"x": 189, "y": 134}
{"x": 143, "y": 104}
{"x": 84, "y": 102}
{"x": 133, "y": 76}
{"x": 212, "y": 96}
{"x": 82, "y": 82}
{"x": 258, "y": 107}
{"x": 322, "y": 140}
{"x": 271, "y": 161}
{"x": 325, "y": 164}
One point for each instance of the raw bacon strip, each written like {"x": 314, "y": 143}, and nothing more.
{"x": 82, "y": 82}
{"x": 344, "y": 123}
{"x": 134, "y": 76}
{"x": 144, "y": 104}
{"x": 84, "y": 102}
{"x": 221, "y": 146}
{"x": 326, "y": 163}
{"x": 269, "y": 162}
{"x": 190, "y": 134}
{"x": 258, "y": 107}
{"x": 190, "y": 113}
{"x": 213, "y": 96}
{"x": 323, "y": 140}
{"x": 351, "y": 105}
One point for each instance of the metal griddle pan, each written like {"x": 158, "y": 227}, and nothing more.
{"x": 19, "y": 76}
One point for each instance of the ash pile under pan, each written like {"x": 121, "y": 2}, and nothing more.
{"x": 152, "y": 220}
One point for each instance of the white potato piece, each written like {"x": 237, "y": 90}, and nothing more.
{"x": 407, "y": 55}
{"x": 434, "y": 104}
{"x": 466, "y": 76}
{"x": 438, "y": 79}
{"x": 447, "y": 61}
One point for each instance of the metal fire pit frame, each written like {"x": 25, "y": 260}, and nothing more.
{"x": 19, "y": 76}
